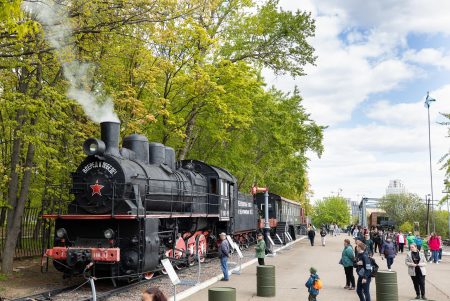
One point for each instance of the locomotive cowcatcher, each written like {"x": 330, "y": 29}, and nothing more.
{"x": 135, "y": 205}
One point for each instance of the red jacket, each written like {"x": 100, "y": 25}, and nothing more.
{"x": 434, "y": 244}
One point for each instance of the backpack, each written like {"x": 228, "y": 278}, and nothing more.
{"x": 374, "y": 267}
{"x": 317, "y": 284}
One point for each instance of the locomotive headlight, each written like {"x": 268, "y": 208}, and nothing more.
{"x": 61, "y": 233}
{"x": 109, "y": 234}
{"x": 93, "y": 146}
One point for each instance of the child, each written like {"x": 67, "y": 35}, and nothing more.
{"x": 310, "y": 284}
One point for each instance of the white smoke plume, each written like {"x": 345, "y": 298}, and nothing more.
{"x": 53, "y": 17}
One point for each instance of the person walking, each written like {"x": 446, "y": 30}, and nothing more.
{"x": 313, "y": 292}
{"x": 261, "y": 249}
{"x": 440, "y": 249}
{"x": 376, "y": 238}
{"x": 336, "y": 230}
{"x": 416, "y": 263}
{"x": 410, "y": 239}
{"x": 434, "y": 245}
{"x": 364, "y": 270}
{"x": 311, "y": 234}
{"x": 400, "y": 241}
{"x": 369, "y": 243}
{"x": 419, "y": 242}
{"x": 347, "y": 259}
{"x": 224, "y": 253}
{"x": 355, "y": 232}
{"x": 323, "y": 233}
{"x": 389, "y": 252}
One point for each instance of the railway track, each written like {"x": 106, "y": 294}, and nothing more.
{"x": 47, "y": 295}
{"x": 117, "y": 290}
{"x": 83, "y": 292}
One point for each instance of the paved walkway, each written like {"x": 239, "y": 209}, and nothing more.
{"x": 292, "y": 272}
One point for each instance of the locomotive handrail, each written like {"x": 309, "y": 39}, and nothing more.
{"x": 60, "y": 198}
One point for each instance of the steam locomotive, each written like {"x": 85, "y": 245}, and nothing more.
{"x": 135, "y": 205}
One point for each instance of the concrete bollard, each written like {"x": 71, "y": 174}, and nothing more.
{"x": 265, "y": 281}
{"x": 386, "y": 286}
{"x": 222, "y": 294}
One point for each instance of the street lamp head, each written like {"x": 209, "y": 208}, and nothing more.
{"x": 428, "y": 100}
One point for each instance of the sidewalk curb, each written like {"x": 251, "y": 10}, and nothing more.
{"x": 211, "y": 281}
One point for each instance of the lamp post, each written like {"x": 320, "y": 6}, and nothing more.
{"x": 446, "y": 183}
{"x": 428, "y": 101}
{"x": 427, "y": 201}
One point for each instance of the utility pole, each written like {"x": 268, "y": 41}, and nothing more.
{"x": 427, "y": 201}
{"x": 428, "y": 101}
{"x": 446, "y": 183}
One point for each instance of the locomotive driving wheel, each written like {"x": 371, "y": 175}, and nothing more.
{"x": 180, "y": 252}
{"x": 201, "y": 247}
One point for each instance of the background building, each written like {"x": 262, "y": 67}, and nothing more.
{"x": 396, "y": 187}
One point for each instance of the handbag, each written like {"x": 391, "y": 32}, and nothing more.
{"x": 340, "y": 261}
{"x": 362, "y": 272}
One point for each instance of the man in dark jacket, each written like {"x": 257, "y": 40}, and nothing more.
{"x": 376, "y": 237}
{"x": 389, "y": 251}
{"x": 364, "y": 270}
{"x": 311, "y": 234}
{"x": 224, "y": 253}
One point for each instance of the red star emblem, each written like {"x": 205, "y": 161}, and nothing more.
{"x": 96, "y": 188}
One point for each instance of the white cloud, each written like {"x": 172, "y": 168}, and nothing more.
{"x": 429, "y": 56}
{"x": 362, "y": 50}
{"x": 362, "y": 160}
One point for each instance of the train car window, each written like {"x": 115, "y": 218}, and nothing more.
{"x": 213, "y": 185}
{"x": 231, "y": 191}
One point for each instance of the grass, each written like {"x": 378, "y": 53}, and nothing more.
{"x": 3, "y": 277}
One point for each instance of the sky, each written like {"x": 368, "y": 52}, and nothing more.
{"x": 376, "y": 62}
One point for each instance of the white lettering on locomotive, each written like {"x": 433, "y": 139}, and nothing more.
{"x": 245, "y": 204}
{"x": 100, "y": 164}
{"x": 245, "y": 211}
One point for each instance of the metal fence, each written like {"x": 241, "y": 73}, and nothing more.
{"x": 32, "y": 236}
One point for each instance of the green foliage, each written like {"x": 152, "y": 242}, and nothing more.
{"x": 441, "y": 222}
{"x": 445, "y": 160}
{"x": 3, "y": 277}
{"x": 406, "y": 227}
{"x": 332, "y": 209}
{"x": 184, "y": 73}
{"x": 406, "y": 207}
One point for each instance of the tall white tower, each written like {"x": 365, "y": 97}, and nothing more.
{"x": 396, "y": 187}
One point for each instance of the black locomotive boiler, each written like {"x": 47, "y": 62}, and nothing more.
{"x": 135, "y": 205}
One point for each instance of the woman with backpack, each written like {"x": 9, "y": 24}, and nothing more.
{"x": 416, "y": 263}
{"x": 347, "y": 259}
{"x": 364, "y": 271}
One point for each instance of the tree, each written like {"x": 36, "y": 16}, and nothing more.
{"x": 441, "y": 222}
{"x": 185, "y": 73}
{"x": 333, "y": 209}
{"x": 405, "y": 207}
{"x": 445, "y": 160}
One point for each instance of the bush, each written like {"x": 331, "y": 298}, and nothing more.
{"x": 406, "y": 227}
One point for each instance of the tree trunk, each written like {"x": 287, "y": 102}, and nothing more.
{"x": 13, "y": 227}
{"x": 189, "y": 134}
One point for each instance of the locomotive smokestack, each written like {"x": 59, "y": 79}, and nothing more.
{"x": 110, "y": 135}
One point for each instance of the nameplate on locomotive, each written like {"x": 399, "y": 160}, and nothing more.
{"x": 100, "y": 164}
{"x": 245, "y": 208}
